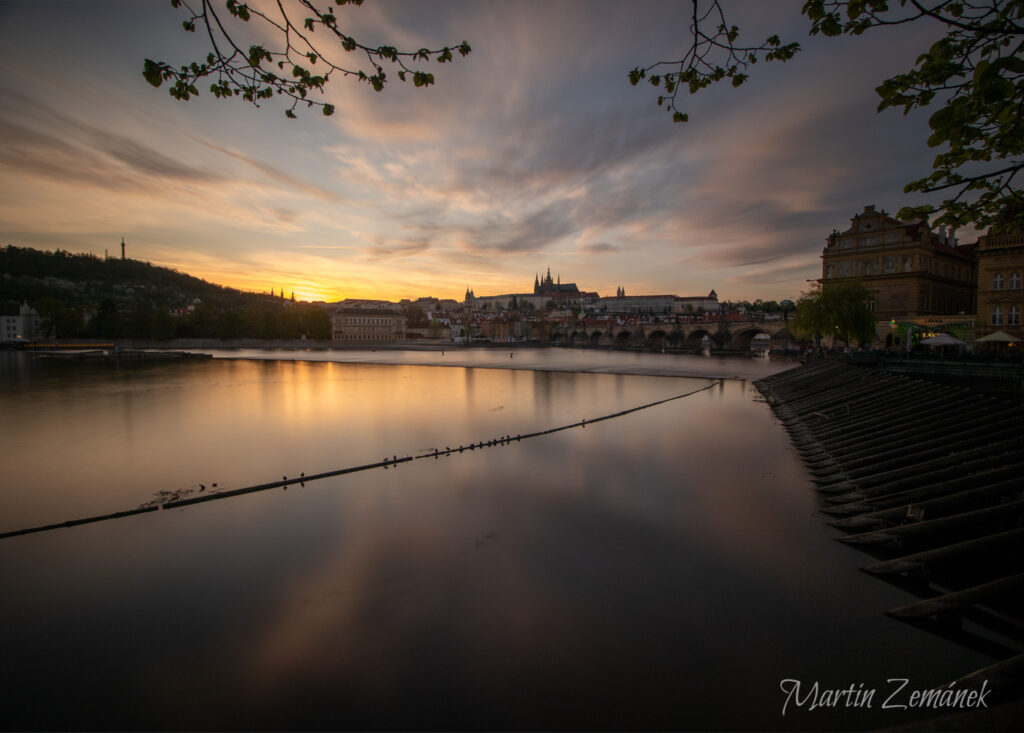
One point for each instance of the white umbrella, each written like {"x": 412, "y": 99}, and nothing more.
{"x": 1001, "y": 336}
{"x": 943, "y": 339}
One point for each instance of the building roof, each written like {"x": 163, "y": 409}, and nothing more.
{"x": 367, "y": 312}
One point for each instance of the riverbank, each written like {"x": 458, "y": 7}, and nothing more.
{"x": 420, "y": 344}
{"x": 926, "y": 478}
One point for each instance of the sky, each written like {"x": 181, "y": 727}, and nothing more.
{"x": 533, "y": 152}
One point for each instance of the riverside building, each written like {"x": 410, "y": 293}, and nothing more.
{"x": 908, "y": 269}
{"x": 367, "y": 324}
{"x": 1000, "y": 295}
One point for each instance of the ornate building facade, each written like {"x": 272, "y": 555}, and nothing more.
{"x": 908, "y": 269}
{"x": 365, "y": 324}
{"x": 1000, "y": 295}
{"x": 554, "y": 289}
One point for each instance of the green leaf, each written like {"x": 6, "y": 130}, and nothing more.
{"x": 151, "y": 72}
{"x": 328, "y": 110}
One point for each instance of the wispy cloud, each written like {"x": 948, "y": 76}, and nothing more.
{"x": 533, "y": 151}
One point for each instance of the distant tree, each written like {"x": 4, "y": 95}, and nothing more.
{"x": 162, "y": 325}
{"x": 56, "y": 320}
{"x": 107, "y": 322}
{"x": 839, "y": 309}
{"x": 297, "y": 64}
{"x": 229, "y": 324}
{"x": 414, "y": 316}
{"x": 138, "y": 324}
{"x": 311, "y": 321}
{"x": 974, "y": 69}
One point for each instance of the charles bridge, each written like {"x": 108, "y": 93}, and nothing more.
{"x": 732, "y": 335}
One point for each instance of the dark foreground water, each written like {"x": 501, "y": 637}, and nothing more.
{"x": 665, "y": 569}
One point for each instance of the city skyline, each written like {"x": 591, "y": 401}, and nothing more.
{"x": 532, "y": 152}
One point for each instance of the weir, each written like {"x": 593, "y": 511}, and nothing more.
{"x": 927, "y": 478}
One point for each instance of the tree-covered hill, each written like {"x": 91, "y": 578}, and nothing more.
{"x": 81, "y": 295}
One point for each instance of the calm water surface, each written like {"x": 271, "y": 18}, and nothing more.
{"x": 665, "y": 569}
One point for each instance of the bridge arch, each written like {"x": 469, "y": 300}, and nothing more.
{"x": 695, "y": 338}
{"x": 656, "y": 338}
{"x": 742, "y": 339}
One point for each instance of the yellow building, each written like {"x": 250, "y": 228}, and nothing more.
{"x": 360, "y": 325}
{"x": 1000, "y": 296}
{"x": 908, "y": 269}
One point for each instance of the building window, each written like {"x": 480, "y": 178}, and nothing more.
{"x": 906, "y": 263}
{"x": 997, "y": 316}
{"x": 1014, "y": 281}
{"x": 997, "y": 281}
{"x": 828, "y": 272}
{"x": 1013, "y": 318}
{"x": 845, "y": 269}
{"x": 891, "y": 263}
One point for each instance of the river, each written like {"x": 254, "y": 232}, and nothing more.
{"x": 666, "y": 568}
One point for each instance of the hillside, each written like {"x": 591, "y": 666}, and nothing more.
{"x": 28, "y": 274}
{"x": 84, "y": 295}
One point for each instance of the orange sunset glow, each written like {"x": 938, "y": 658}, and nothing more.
{"x": 532, "y": 152}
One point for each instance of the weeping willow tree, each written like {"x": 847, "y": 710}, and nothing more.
{"x": 839, "y": 309}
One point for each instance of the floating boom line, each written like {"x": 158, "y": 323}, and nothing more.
{"x": 302, "y": 479}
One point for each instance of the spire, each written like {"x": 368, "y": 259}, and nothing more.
{"x": 122, "y": 249}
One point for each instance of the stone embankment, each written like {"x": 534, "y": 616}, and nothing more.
{"x": 930, "y": 480}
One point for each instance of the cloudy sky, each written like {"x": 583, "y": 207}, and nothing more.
{"x": 532, "y": 152}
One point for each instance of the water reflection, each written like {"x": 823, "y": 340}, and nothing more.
{"x": 663, "y": 569}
